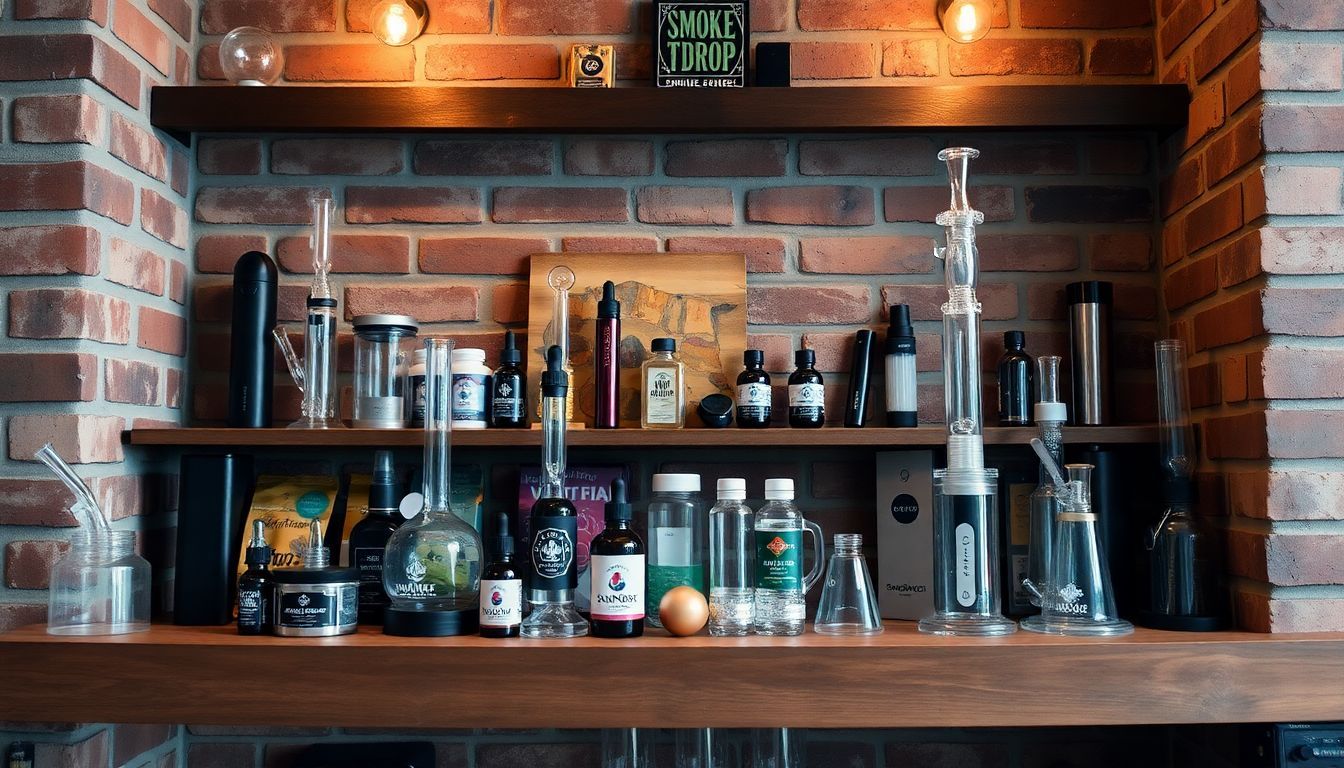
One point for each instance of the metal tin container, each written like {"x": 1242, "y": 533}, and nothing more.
{"x": 1090, "y": 351}
{"x": 316, "y": 602}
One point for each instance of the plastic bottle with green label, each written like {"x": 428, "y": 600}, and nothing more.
{"x": 676, "y": 539}
{"x": 781, "y": 608}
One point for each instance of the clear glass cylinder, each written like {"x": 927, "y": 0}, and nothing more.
{"x": 778, "y": 748}
{"x": 732, "y": 601}
{"x": 627, "y": 748}
{"x": 700, "y": 748}
{"x": 382, "y": 351}
{"x": 100, "y": 587}
{"x": 433, "y": 561}
{"x": 676, "y": 539}
{"x": 848, "y": 601}
{"x": 966, "y": 595}
{"x": 1173, "y": 409}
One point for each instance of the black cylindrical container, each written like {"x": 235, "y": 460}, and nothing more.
{"x": 1090, "y": 351}
{"x": 251, "y": 348}
{"x": 1015, "y": 376}
{"x": 213, "y": 494}
{"x": 856, "y": 401}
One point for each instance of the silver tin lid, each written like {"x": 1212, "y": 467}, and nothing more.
{"x": 403, "y": 322}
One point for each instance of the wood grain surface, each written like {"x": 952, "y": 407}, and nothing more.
{"x": 897, "y": 679}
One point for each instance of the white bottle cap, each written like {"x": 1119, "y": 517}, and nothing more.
{"x": 469, "y": 355}
{"x": 779, "y": 488}
{"x": 1051, "y": 412}
{"x": 673, "y": 483}
{"x": 734, "y": 488}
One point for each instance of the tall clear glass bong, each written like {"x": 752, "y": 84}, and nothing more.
{"x": 967, "y": 596}
{"x": 315, "y": 374}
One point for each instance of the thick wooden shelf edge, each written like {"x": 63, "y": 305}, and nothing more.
{"x": 183, "y": 110}
{"x": 897, "y": 679}
{"x": 783, "y": 437}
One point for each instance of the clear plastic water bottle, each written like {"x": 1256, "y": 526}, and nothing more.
{"x": 781, "y": 607}
{"x": 732, "y": 601}
{"x": 676, "y": 539}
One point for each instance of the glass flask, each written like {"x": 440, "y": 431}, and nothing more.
{"x": 700, "y": 748}
{"x": 848, "y": 603}
{"x": 315, "y": 374}
{"x": 553, "y": 544}
{"x": 1080, "y": 600}
{"x": 381, "y": 370}
{"x": 627, "y": 748}
{"x": 250, "y": 56}
{"x": 781, "y": 587}
{"x": 1050, "y": 413}
{"x": 777, "y": 748}
{"x": 732, "y": 601}
{"x": 100, "y": 587}
{"x": 432, "y": 564}
{"x": 676, "y": 539}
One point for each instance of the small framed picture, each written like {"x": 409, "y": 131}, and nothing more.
{"x": 700, "y": 44}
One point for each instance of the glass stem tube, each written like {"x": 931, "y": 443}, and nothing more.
{"x": 438, "y": 470}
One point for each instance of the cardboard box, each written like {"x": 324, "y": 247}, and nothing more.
{"x": 905, "y": 534}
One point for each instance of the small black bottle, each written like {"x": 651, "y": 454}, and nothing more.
{"x": 618, "y": 571}
{"x": 753, "y": 392}
{"x": 255, "y": 588}
{"x": 1015, "y": 390}
{"x": 369, "y": 538}
{"x": 807, "y": 392}
{"x": 502, "y": 588}
{"x": 508, "y": 388}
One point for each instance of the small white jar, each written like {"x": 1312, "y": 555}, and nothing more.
{"x": 471, "y": 383}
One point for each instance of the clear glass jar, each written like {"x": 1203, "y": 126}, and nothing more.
{"x": 100, "y": 587}
{"x": 381, "y": 355}
{"x": 676, "y": 539}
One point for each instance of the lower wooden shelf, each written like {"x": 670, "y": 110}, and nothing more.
{"x": 210, "y": 675}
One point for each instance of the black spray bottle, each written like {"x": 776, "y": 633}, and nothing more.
{"x": 255, "y": 588}
{"x": 618, "y": 571}
{"x": 807, "y": 392}
{"x": 502, "y": 587}
{"x": 368, "y": 539}
{"x": 508, "y": 388}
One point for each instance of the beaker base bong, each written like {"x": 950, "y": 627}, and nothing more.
{"x": 1082, "y": 626}
{"x": 967, "y": 624}
{"x": 554, "y": 620}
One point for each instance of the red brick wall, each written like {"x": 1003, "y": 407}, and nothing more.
{"x": 93, "y": 269}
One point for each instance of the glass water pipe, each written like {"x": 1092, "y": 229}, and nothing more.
{"x": 561, "y": 280}
{"x": 967, "y": 595}
{"x": 315, "y": 374}
{"x": 1050, "y": 415}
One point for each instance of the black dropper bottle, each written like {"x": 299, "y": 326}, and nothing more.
{"x": 807, "y": 392}
{"x": 508, "y": 388}
{"x": 1015, "y": 378}
{"x": 502, "y": 587}
{"x": 255, "y": 588}
{"x": 618, "y": 571}
{"x": 753, "y": 392}
{"x": 368, "y": 538}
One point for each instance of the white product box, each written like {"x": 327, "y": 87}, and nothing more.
{"x": 905, "y": 534}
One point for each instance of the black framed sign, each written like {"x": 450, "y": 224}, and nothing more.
{"x": 700, "y": 44}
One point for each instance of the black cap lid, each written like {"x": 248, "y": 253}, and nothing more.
{"x": 258, "y": 555}
{"x": 608, "y": 307}
{"x": 254, "y": 267}
{"x": 1014, "y": 339}
{"x": 664, "y": 345}
{"x": 619, "y": 507}
{"x": 716, "y": 410}
{"x": 384, "y": 493}
{"x": 554, "y": 381}
{"x": 503, "y": 541}
{"x": 1089, "y": 292}
{"x": 753, "y": 357}
{"x": 804, "y": 358}
{"x": 312, "y": 302}
{"x": 898, "y": 322}
{"x": 511, "y": 354}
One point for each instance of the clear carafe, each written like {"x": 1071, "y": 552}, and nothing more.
{"x": 315, "y": 374}
{"x": 381, "y": 357}
{"x": 432, "y": 564}
{"x": 1050, "y": 414}
{"x": 781, "y": 586}
{"x": 732, "y": 600}
{"x": 1079, "y": 600}
{"x": 100, "y": 587}
{"x": 848, "y": 601}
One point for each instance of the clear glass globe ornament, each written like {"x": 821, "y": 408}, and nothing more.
{"x": 250, "y": 56}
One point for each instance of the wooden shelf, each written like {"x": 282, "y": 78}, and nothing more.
{"x": 224, "y": 109}
{"x": 897, "y": 679}
{"x": 782, "y": 437}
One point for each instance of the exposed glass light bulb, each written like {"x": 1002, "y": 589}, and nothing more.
{"x": 966, "y": 21}
{"x": 398, "y": 22}
{"x": 249, "y": 56}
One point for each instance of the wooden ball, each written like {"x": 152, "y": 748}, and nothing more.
{"x": 683, "y": 611}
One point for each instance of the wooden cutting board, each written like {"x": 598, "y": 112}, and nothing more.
{"x": 699, "y": 299}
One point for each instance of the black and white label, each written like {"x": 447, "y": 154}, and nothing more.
{"x": 553, "y": 552}
{"x": 753, "y": 401}
{"x": 469, "y": 397}
{"x": 501, "y": 602}
{"x": 369, "y": 562}
{"x": 252, "y": 605}
{"x": 305, "y": 610}
{"x": 618, "y": 587}
{"x": 807, "y": 400}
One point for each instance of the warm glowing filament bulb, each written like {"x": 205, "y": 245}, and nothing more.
{"x": 395, "y": 26}
{"x": 966, "y": 20}
{"x": 398, "y": 22}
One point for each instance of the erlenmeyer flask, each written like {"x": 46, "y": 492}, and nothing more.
{"x": 1079, "y": 600}
{"x": 848, "y": 603}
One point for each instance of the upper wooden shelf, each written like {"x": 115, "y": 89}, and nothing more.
{"x": 226, "y": 109}
{"x": 897, "y": 679}
{"x": 783, "y": 437}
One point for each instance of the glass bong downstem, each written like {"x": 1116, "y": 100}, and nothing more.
{"x": 966, "y": 590}
{"x": 315, "y": 375}
{"x": 561, "y": 279}
{"x": 554, "y": 528}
